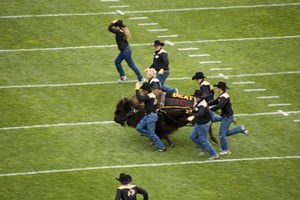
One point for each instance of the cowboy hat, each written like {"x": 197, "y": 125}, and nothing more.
{"x": 222, "y": 85}
{"x": 157, "y": 42}
{"x": 198, "y": 75}
{"x": 146, "y": 86}
{"x": 198, "y": 93}
{"x": 124, "y": 178}
{"x": 119, "y": 23}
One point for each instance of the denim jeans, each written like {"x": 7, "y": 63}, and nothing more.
{"x": 146, "y": 127}
{"x": 167, "y": 89}
{"x": 126, "y": 55}
{"x": 162, "y": 77}
{"x": 199, "y": 135}
{"x": 224, "y": 131}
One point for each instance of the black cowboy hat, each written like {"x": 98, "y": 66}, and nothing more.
{"x": 119, "y": 23}
{"x": 198, "y": 75}
{"x": 146, "y": 86}
{"x": 157, "y": 42}
{"x": 198, "y": 93}
{"x": 124, "y": 178}
{"x": 222, "y": 85}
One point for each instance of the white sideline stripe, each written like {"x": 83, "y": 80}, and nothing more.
{"x": 147, "y": 44}
{"x": 125, "y": 6}
{"x": 268, "y": 97}
{"x": 279, "y": 104}
{"x": 255, "y": 90}
{"x": 167, "y": 36}
{"x": 108, "y": 0}
{"x": 199, "y": 55}
{"x": 296, "y": 120}
{"x": 153, "y": 11}
{"x": 148, "y": 24}
{"x": 219, "y": 69}
{"x": 133, "y": 81}
{"x": 149, "y": 165}
{"x": 112, "y": 122}
{"x": 243, "y": 83}
{"x": 137, "y": 18}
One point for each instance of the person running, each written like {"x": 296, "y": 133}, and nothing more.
{"x": 122, "y": 36}
{"x": 205, "y": 87}
{"x": 223, "y": 102}
{"x": 127, "y": 191}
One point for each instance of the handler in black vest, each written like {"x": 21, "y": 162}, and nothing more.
{"x": 199, "y": 132}
{"x": 148, "y": 123}
{"x": 205, "y": 87}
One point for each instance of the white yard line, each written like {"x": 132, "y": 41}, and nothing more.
{"x": 243, "y": 83}
{"x": 133, "y": 81}
{"x": 210, "y": 62}
{"x": 279, "y": 112}
{"x": 255, "y": 90}
{"x": 152, "y": 11}
{"x": 279, "y": 104}
{"x": 149, "y": 165}
{"x": 147, "y": 44}
{"x": 268, "y": 97}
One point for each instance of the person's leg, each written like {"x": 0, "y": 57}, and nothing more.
{"x": 203, "y": 134}
{"x": 118, "y": 64}
{"x": 162, "y": 77}
{"x": 225, "y": 124}
{"x": 128, "y": 59}
{"x": 151, "y": 124}
{"x": 194, "y": 136}
{"x": 141, "y": 127}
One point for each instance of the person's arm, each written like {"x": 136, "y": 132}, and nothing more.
{"x": 205, "y": 91}
{"x": 143, "y": 192}
{"x": 118, "y": 194}
{"x": 140, "y": 97}
{"x": 164, "y": 57}
{"x": 220, "y": 105}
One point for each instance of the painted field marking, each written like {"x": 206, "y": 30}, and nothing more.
{"x": 133, "y": 81}
{"x": 198, "y": 55}
{"x": 268, "y": 97}
{"x": 255, "y": 90}
{"x": 243, "y": 83}
{"x": 283, "y": 113}
{"x": 223, "y": 76}
{"x": 137, "y": 18}
{"x": 120, "y": 12}
{"x": 157, "y": 30}
{"x": 124, "y": 6}
{"x": 279, "y": 104}
{"x": 210, "y": 62}
{"x": 296, "y": 120}
{"x": 167, "y": 36}
{"x": 219, "y": 69}
{"x": 109, "y": 0}
{"x": 169, "y": 43}
{"x": 148, "y": 24}
{"x": 187, "y": 49}
{"x": 147, "y": 44}
{"x": 153, "y": 11}
{"x": 112, "y": 122}
{"x": 149, "y": 165}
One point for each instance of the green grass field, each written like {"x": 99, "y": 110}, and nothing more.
{"x": 58, "y": 89}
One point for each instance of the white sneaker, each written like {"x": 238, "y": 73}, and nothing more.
{"x": 244, "y": 130}
{"x": 176, "y": 91}
{"x": 122, "y": 78}
{"x": 225, "y": 152}
{"x": 213, "y": 157}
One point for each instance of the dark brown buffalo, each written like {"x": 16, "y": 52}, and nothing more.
{"x": 129, "y": 111}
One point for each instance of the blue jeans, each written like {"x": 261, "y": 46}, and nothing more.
{"x": 146, "y": 127}
{"x": 126, "y": 55}
{"x": 167, "y": 89}
{"x": 162, "y": 77}
{"x": 199, "y": 135}
{"x": 224, "y": 131}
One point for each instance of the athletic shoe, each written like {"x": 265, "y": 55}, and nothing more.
{"x": 161, "y": 150}
{"x": 225, "y": 152}
{"x": 214, "y": 157}
{"x": 244, "y": 130}
{"x": 122, "y": 78}
{"x": 175, "y": 90}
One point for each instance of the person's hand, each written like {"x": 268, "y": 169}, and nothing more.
{"x": 161, "y": 71}
{"x": 114, "y": 21}
{"x": 137, "y": 85}
{"x": 191, "y": 118}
